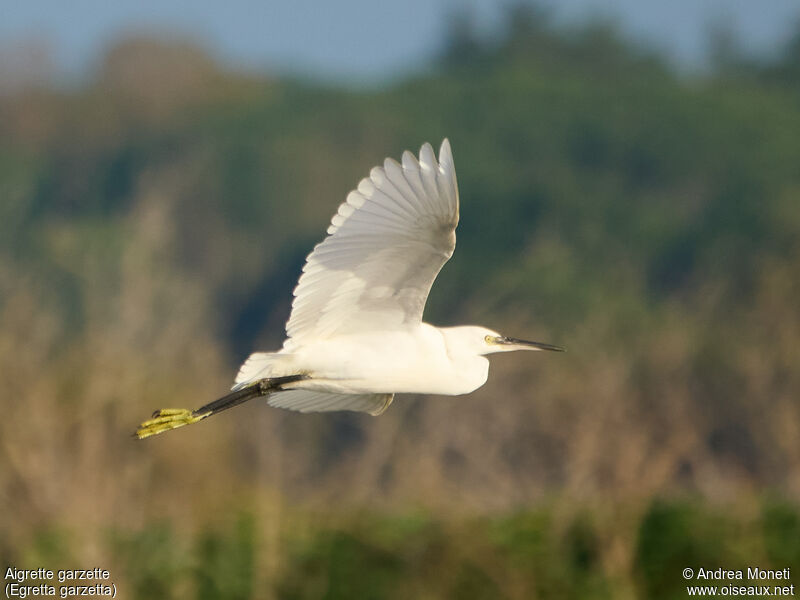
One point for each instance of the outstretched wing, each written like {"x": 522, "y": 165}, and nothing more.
{"x": 385, "y": 246}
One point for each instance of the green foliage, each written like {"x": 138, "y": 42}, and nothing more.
{"x": 782, "y": 535}
{"x": 155, "y": 562}
{"x": 537, "y": 553}
{"x": 349, "y": 568}
{"x": 226, "y": 562}
{"x": 559, "y": 562}
{"x": 577, "y": 137}
{"x": 150, "y": 237}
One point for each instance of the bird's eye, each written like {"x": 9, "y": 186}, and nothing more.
{"x": 488, "y": 339}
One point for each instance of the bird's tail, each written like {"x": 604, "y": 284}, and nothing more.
{"x": 167, "y": 419}
{"x": 260, "y": 365}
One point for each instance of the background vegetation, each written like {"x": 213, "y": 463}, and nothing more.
{"x": 152, "y": 226}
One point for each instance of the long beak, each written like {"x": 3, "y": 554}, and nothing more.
{"x": 526, "y": 345}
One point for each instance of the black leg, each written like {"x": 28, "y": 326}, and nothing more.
{"x": 167, "y": 419}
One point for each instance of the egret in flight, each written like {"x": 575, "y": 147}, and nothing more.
{"x": 355, "y": 336}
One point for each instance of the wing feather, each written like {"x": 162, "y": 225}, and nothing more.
{"x": 312, "y": 401}
{"x": 385, "y": 245}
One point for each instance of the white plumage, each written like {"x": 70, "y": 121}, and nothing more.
{"x": 355, "y": 336}
{"x": 356, "y": 327}
{"x": 385, "y": 246}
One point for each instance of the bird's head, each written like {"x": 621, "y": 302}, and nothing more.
{"x": 481, "y": 340}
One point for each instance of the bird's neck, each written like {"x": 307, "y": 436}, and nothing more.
{"x": 469, "y": 367}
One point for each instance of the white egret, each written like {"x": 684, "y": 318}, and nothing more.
{"x": 355, "y": 336}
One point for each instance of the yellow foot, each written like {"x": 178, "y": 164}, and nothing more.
{"x": 167, "y": 419}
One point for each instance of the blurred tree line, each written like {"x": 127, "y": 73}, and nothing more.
{"x": 154, "y": 221}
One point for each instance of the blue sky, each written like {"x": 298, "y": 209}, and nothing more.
{"x": 361, "y": 40}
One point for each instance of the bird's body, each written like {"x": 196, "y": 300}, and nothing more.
{"x": 355, "y": 336}
{"x": 418, "y": 360}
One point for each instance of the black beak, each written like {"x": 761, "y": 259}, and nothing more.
{"x": 526, "y": 345}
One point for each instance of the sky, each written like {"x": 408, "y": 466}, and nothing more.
{"x": 362, "y": 40}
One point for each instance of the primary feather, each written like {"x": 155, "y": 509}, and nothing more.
{"x": 385, "y": 246}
